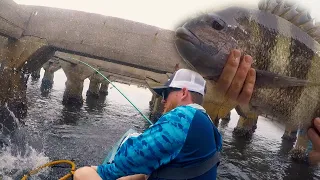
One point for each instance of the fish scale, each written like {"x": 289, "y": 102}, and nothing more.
{"x": 282, "y": 39}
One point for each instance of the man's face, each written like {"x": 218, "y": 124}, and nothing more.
{"x": 170, "y": 99}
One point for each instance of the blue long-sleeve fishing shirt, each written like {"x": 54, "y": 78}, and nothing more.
{"x": 182, "y": 137}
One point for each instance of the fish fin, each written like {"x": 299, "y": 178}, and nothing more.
{"x": 266, "y": 79}
{"x": 240, "y": 111}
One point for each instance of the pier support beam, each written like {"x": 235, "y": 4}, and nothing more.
{"x": 302, "y": 147}
{"x": 246, "y": 125}
{"x": 290, "y": 133}
{"x": 50, "y": 68}
{"x": 76, "y": 74}
{"x": 36, "y": 74}
{"x": 157, "y": 109}
{"x": 18, "y": 59}
{"x": 94, "y": 86}
{"x": 104, "y": 88}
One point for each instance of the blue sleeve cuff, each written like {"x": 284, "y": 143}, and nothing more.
{"x": 101, "y": 172}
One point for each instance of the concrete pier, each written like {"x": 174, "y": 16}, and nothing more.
{"x": 76, "y": 74}
{"x": 94, "y": 86}
{"x": 246, "y": 125}
{"x": 104, "y": 88}
{"x": 36, "y": 74}
{"x": 16, "y": 56}
{"x": 290, "y": 133}
{"x": 300, "y": 151}
{"x": 50, "y": 68}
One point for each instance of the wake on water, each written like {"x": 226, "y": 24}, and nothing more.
{"x": 14, "y": 164}
{"x": 17, "y": 158}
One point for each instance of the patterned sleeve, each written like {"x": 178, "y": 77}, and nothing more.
{"x": 158, "y": 145}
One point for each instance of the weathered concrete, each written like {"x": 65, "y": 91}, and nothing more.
{"x": 113, "y": 68}
{"x": 152, "y": 101}
{"x": 13, "y": 19}
{"x": 116, "y": 72}
{"x": 19, "y": 53}
{"x": 156, "y": 105}
{"x": 94, "y": 86}
{"x": 33, "y": 38}
{"x": 300, "y": 151}
{"x": 111, "y": 39}
{"x": 246, "y": 125}
{"x": 13, "y": 92}
{"x": 290, "y": 133}
{"x": 36, "y": 74}
{"x": 124, "y": 79}
{"x": 50, "y": 68}
{"x": 15, "y": 54}
{"x": 76, "y": 74}
{"x": 157, "y": 109}
{"x": 227, "y": 117}
{"x": 104, "y": 88}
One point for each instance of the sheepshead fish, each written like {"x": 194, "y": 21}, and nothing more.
{"x": 286, "y": 58}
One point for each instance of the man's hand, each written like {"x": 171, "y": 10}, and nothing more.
{"x": 235, "y": 85}
{"x": 237, "y": 79}
{"x": 314, "y": 155}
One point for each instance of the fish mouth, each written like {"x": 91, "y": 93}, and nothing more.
{"x": 188, "y": 46}
{"x": 186, "y": 35}
{"x": 188, "y": 38}
{"x": 195, "y": 53}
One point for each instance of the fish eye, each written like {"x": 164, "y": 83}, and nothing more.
{"x": 217, "y": 25}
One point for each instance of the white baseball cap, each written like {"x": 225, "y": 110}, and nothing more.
{"x": 184, "y": 78}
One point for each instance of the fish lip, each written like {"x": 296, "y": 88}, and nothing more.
{"x": 186, "y": 35}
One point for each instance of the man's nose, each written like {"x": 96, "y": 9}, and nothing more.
{"x": 163, "y": 101}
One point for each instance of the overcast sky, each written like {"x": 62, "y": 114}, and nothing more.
{"x": 164, "y": 13}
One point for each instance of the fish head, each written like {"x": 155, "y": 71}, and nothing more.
{"x": 203, "y": 42}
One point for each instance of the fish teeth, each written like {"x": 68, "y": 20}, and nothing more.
{"x": 294, "y": 13}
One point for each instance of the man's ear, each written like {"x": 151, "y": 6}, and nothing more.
{"x": 184, "y": 93}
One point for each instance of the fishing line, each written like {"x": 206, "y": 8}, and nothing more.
{"x": 88, "y": 65}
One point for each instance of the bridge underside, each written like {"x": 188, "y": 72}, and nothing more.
{"x": 30, "y": 36}
{"x": 107, "y": 38}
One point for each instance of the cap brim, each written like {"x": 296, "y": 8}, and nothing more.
{"x": 159, "y": 89}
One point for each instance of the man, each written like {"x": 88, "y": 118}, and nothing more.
{"x": 183, "y": 144}
{"x": 183, "y": 137}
